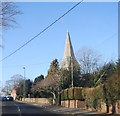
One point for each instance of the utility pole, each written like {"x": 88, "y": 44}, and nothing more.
{"x": 24, "y": 85}
{"x": 71, "y": 61}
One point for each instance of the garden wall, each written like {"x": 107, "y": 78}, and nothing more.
{"x": 38, "y": 100}
{"x": 73, "y": 104}
{"x": 92, "y": 99}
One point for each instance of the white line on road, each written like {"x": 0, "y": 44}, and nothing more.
{"x": 18, "y": 109}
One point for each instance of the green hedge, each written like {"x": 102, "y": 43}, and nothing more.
{"x": 72, "y": 94}
{"x": 64, "y": 95}
{"x": 93, "y": 93}
{"x": 93, "y": 96}
{"x": 78, "y": 93}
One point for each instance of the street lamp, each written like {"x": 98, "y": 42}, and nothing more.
{"x": 24, "y": 85}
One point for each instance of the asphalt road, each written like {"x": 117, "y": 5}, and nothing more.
{"x": 12, "y": 108}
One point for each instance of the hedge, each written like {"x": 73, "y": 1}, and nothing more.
{"x": 93, "y": 93}
{"x": 74, "y": 93}
{"x": 78, "y": 93}
{"x": 64, "y": 95}
{"x": 92, "y": 96}
{"x": 71, "y": 93}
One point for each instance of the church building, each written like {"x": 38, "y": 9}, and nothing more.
{"x": 69, "y": 59}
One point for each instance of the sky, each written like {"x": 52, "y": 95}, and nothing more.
{"x": 92, "y": 25}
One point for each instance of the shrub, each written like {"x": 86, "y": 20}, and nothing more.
{"x": 99, "y": 92}
{"x": 71, "y": 93}
{"x": 93, "y": 96}
{"x": 64, "y": 95}
{"x": 78, "y": 93}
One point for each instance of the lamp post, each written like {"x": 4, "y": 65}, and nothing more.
{"x": 24, "y": 84}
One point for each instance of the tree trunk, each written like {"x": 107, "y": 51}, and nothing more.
{"x": 113, "y": 107}
{"x": 107, "y": 108}
{"x": 54, "y": 98}
{"x": 58, "y": 97}
{"x": 106, "y": 99}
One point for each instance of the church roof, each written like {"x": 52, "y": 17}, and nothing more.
{"x": 68, "y": 54}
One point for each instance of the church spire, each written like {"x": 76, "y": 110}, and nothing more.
{"x": 68, "y": 51}
{"x": 68, "y": 54}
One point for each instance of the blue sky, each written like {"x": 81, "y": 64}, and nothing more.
{"x": 92, "y": 25}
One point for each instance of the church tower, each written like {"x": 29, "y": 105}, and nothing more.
{"x": 69, "y": 57}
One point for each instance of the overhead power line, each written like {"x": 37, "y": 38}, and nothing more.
{"x": 42, "y": 31}
{"x": 108, "y": 38}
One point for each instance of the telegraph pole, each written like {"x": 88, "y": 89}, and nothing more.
{"x": 71, "y": 59}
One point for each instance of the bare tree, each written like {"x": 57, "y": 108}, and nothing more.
{"x": 16, "y": 79}
{"x": 8, "y": 11}
{"x": 13, "y": 82}
{"x": 88, "y": 59}
{"x": 7, "y": 87}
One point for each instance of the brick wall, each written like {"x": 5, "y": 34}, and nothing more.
{"x": 82, "y": 105}
{"x": 73, "y": 104}
{"x": 118, "y": 107}
{"x": 102, "y": 107}
{"x": 40, "y": 100}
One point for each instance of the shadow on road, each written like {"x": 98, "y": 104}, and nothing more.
{"x": 24, "y": 109}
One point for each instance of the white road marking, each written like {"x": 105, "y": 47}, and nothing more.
{"x": 18, "y": 109}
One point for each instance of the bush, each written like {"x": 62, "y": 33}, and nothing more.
{"x": 99, "y": 92}
{"x": 64, "y": 95}
{"x": 93, "y": 96}
{"x": 72, "y": 94}
{"x": 78, "y": 93}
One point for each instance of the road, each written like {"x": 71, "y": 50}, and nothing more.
{"x": 12, "y": 108}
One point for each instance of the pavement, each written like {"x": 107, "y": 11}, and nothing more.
{"x": 70, "y": 111}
